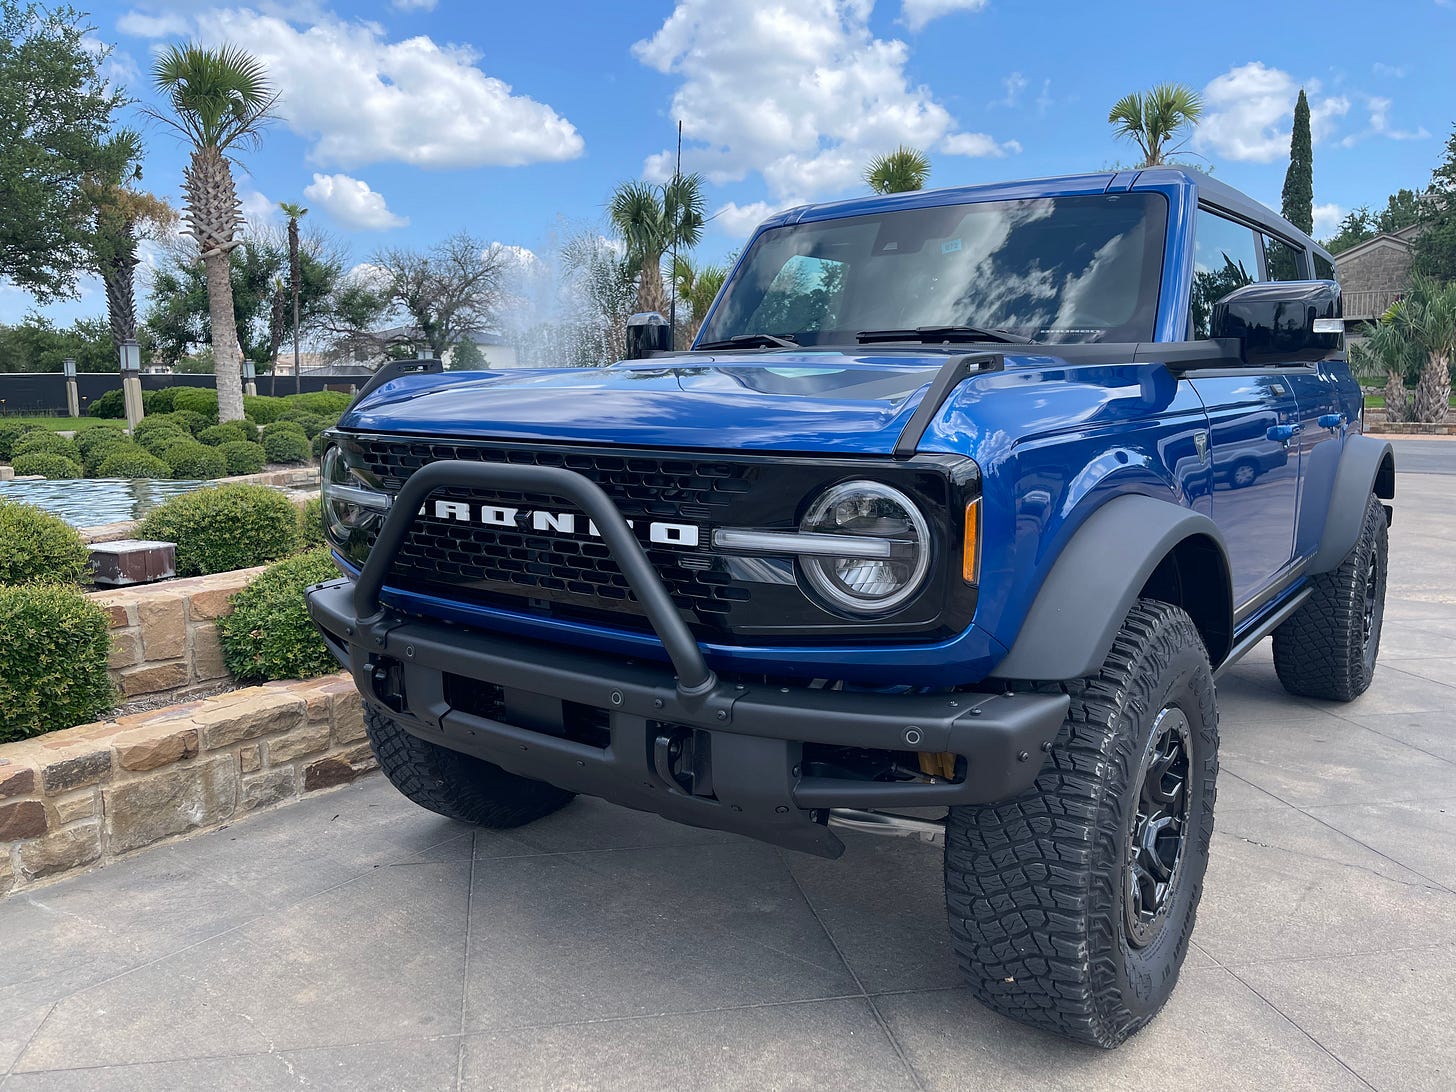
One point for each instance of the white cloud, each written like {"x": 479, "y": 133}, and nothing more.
{"x": 1249, "y": 111}
{"x": 1380, "y": 123}
{"x": 364, "y": 99}
{"x": 258, "y": 210}
{"x": 352, "y": 202}
{"x": 802, "y": 93}
{"x": 738, "y": 220}
{"x": 1395, "y": 71}
{"x": 916, "y": 13}
{"x": 141, "y": 24}
{"x": 1326, "y": 219}
{"x": 414, "y": 5}
{"x": 1014, "y": 84}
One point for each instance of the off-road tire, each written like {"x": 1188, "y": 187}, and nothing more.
{"x": 457, "y": 786}
{"x": 1325, "y": 649}
{"x": 1038, "y": 887}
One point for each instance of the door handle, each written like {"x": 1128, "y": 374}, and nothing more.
{"x": 1331, "y": 420}
{"x": 1282, "y": 434}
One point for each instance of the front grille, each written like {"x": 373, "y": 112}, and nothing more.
{"x": 572, "y": 575}
{"x": 571, "y": 572}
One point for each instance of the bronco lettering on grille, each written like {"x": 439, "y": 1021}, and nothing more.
{"x": 565, "y": 523}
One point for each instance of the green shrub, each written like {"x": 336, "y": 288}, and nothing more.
{"x": 243, "y": 457}
{"x": 56, "y": 643}
{"x": 285, "y": 447}
{"x": 224, "y": 527}
{"x": 110, "y": 405}
{"x": 263, "y": 409}
{"x": 311, "y": 523}
{"x": 98, "y": 453}
{"x": 90, "y": 436}
{"x": 162, "y": 401}
{"x": 191, "y": 461}
{"x": 161, "y": 437}
{"x": 311, "y": 423}
{"x": 37, "y": 547}
{"x": 229, "y": 432}
{"x": 284, "y": 425}
{"x": 46, "y": 465}
{"x": 10, "y": 434}
{"x": 51, "y": 443}
{"x": 268, "y": 634}
{"x": 198, "y": 400}
{"x": 323, "y": 403}
{"x": 159, "y": 422}
{"x": 191, "y": 420}
{"x": 131, "y": 462}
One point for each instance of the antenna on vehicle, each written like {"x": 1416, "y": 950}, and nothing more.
{"x": 672, "y": 273}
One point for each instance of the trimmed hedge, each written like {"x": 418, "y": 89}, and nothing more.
{"x": 229, "y": 432}
{"x": 46, "y": 465}
{"x": 90, "y": 436}
{"x": 131, "y": 462}
{"x": 268, "y": 634}
{"x": 285, "y": 446}
{"x": 323, "y": 403}
{"x": 10, "y": 434}
{"x": 311, "y": 523}
{"x": 50, "y": 443}
{"x": 97, "y": 453}
{"x": 243, "y": 457}
{"x": 191, "y": 461}
{"x": 39, "y": 548}
{"x": 224, "y": 527}
{"x": 111, "y": 405}
{"x": 162, "y": 401}
{"x": 198, "y": 400}
{"x": 56, "y": 644}
{"x": 262, "y": 408}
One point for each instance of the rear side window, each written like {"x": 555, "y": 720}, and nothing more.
{"x": 1282, "y": 261}
{"x": 1225, "y": 257}
{"x": 1324, "y": 269}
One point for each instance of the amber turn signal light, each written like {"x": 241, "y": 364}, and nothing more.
{"x": 971, "y": 556}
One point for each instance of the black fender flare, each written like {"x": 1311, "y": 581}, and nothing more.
{"x": 1367, "y": 465}
{"x": 1095, "y": 581}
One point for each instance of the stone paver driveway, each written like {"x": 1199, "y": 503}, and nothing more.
{"x": 353, "y": 941}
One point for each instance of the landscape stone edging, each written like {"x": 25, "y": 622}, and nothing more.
{"x": 85, "y": 796}
{"x": 164, "y": 636}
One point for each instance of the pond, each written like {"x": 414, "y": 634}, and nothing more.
{"x": 89, "y": 502}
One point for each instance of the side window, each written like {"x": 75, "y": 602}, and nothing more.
{"x": 1324, "y": 269}
{"x": 1224, "y": 258}
{"x": 804, "y": 295}
{"x": 1283, "y": 261}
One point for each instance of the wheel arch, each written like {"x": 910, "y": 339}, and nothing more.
{"x": 1367, "y": 465}
{"x": 1132, "y": 547}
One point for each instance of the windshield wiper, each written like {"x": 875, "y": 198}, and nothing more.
{"x": 752, "y": 341}
{"x": 929, "y": 335}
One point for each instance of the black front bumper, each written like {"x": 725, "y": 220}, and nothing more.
{"x": 747, "y": 740}
{"x": 676, "y": 741}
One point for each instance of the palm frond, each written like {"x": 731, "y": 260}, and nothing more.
{"x": 900, "y": 171}
{"x": 218, "y": 97}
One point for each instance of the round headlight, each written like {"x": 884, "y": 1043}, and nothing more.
{"x": 887, "y": 547}
{"x": 348, "y": 504}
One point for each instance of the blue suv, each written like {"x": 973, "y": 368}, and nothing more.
{"x": 960, "y": 502}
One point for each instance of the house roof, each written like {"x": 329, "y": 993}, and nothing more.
{"x": 1383, "y": 241}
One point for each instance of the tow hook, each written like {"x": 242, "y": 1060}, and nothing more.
{"x": 682, "y": 757}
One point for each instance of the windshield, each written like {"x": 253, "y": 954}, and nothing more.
{"x": 1050, "y": 269}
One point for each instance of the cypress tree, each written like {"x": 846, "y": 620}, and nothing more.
{"x": 1297, "y": 201}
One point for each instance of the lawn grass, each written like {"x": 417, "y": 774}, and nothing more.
{"x": 62, "y": 424}
{"x": 1377, "y": 401}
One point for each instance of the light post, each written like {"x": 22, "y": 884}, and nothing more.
{"x": 250, "y": 377}
{"x": 131, "y": 381}
{"x": 73, "y": 400}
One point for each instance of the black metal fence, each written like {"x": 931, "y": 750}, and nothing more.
{"x": 45, "y": 392}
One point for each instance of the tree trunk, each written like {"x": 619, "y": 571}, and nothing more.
{"x": 1433, "y": 392}
{"x": 118, "y": 274}
{"x": 650, "y": 293}
{"x": 226, "y": 355}
{"x": 1397, "y": 402}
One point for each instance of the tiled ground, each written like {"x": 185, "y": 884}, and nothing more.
{"x": 353, "y": 941}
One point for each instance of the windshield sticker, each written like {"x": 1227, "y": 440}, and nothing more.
{"x": 950, "y": 246}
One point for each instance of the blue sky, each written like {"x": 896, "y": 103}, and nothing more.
{"x": 404, "y": 121}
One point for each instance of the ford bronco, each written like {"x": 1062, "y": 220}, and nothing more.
{"x": 945, "y": 526}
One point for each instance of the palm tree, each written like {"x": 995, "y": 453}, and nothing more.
{"x": 293, "y": 212}
{"x": 1417, "y": 336}
{"x": 900, "y": 171}
{"x": 652, "y": 220}
{"x": 697, "y": 286}
{"x": 219, "y": 99}
{"x": 1154, "y": 119}
{"x": 123, "y": 215}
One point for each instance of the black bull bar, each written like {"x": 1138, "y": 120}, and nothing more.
{"x": 684, "y": 744}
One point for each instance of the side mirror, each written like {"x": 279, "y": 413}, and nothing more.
{"x": 1282, "y": 321}
{"x": 647, "y": 333}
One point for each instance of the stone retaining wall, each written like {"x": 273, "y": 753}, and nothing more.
{"x": 87, "y": 795}
{"x": 164, "y": 636}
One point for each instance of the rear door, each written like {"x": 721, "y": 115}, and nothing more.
{"x": 1254, "y": 422}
